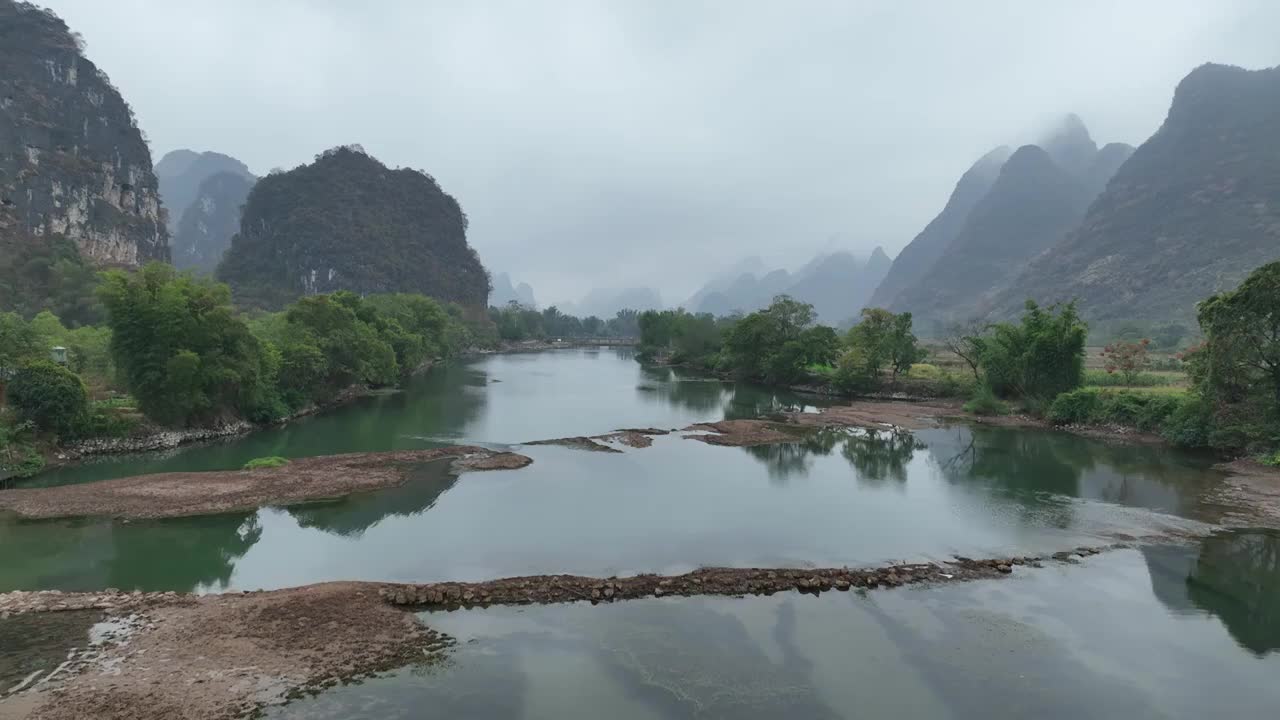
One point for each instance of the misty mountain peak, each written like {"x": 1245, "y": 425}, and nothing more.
{"x": 1070, "y": 145}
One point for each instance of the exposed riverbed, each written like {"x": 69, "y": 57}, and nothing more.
{"x": 1026, "y": 644}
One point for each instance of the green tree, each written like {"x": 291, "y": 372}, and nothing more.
{"x": 766, "y": 345}
{"x": 880, "y": 340}
{"x": 1039, "y": 357}
{"x": 182, "y": 351}
{"x": 19, "y": 343}
{"x": 51, "y": 397}
{"x": 1239, "y": 365}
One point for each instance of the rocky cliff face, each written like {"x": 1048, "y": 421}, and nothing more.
{"x": 1192, "y": 212}
{"x": 207, "y": 225}
{"x": 918, "y": 257}
{"x": 348, "y": 222}
{"x": 73, "y": 163}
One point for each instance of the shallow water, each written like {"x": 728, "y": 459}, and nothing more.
{"x": 1188, "y": 631}
{"x": 838, "y": 498}
{"x": 496, "y": 400}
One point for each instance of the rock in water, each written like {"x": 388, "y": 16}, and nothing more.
{"x": 73, "y": 163}
{"x": 348, "y": 222}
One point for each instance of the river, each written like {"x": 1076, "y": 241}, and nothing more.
{"x": 1133, "y": 633}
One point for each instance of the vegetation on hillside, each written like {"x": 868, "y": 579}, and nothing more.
{"x": 348, "y": 222}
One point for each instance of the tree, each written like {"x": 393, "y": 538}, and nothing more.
{"x": 1038, "y": 358}
{"x": 1240, "y": 360}
{"x": 882, "y": 339}
{"x": 1127, "y": 358}
{"x": 757, "y": 345}
{"x": 963, "y": 340}
{"x": 182, "y": 351}
{"x": 50, "y": 396}
{"x": 19, "y": 343}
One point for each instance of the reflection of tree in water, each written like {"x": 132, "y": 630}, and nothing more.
{"x": 664, "y": 386}
{"x": 92, "y": 554}
{"x": 1236, "y": 578}
{"x": 691, "y": 661}
{"x": 353, "y": 515}
{"x": 876, "y": 455}
{"x": 1033, "y": 467}
{"x": 881, "y": 455}
{"x": 180, "y": 553}
{"x": 787, "y": 460}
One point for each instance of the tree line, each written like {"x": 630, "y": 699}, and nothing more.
{"x": 516, "y": 323}
{"x": 187, "y": 358}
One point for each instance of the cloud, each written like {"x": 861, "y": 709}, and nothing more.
{"x": 624, "y": 143}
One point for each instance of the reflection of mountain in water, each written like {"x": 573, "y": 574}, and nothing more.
{"x": 353, "y": 515}
{"x": 1234, "y": 576}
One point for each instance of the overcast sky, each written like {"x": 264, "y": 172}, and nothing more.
{"x": 650, "y": 142}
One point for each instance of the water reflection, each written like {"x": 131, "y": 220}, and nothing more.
{"x": 1233, "y": 576}
{"x": 876, "y": 456}
{"x": 351, "y": 516}
{"x": 1037, "y": 466}
{"x": 91, "y": 554}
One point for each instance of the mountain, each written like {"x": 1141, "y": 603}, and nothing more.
{"x": 205, "y": 230}
{"x": 752, "y": 266}
{"x": 348, "y": 222}
{"x": 606, "y": 302}
{"x": 746, "y": 293}
{"x": 1190, "y": 213}
{"x": 1070, "y": 146}
{"x": 839, "y": 285}
{"x": 1106, "y": 164}
{"x": 74, "y": 166}
{"x": 1033, "y": 203}
{"x": 181, "y": 173}
{"x": 504, "y": 292}
{"x": 918, "y": 257}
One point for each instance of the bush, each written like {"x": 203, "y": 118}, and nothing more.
{"x": 985, "y": 402}
{"x": 49, "y": 396}
{"x": 272, "y": 461}
{"x": 18, "y": 456}
{"x": 1075, "y": 408}
{"x": 1271, "y": 459}
{"x": 1190, "y": 423}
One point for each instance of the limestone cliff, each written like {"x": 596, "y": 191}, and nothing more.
{"x": 73, "y": 163}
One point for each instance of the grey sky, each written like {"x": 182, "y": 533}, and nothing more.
{"x": 649, "y": 142}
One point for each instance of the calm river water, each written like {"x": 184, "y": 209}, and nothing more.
{"x": 1137, "y": 633}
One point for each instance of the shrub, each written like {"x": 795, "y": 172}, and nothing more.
{"x": 272, "y": 461}
{"x": 49, "y": 396}
{"x": 985, "y": 402}
{"x": 1271, "y": 459}
{"x": 1075, "y": 407}
{"x": 18, "y": 456}
{"x": 1190, "y": 423}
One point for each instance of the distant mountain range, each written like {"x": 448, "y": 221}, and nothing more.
{"x": 606, "y": 302}
{"x": 837, "y": 284}
{"x": 504, "y": 292}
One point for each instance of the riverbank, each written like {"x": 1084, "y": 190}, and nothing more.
{"x": 207, "y": 493}
{"x": 232, "y": 655}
